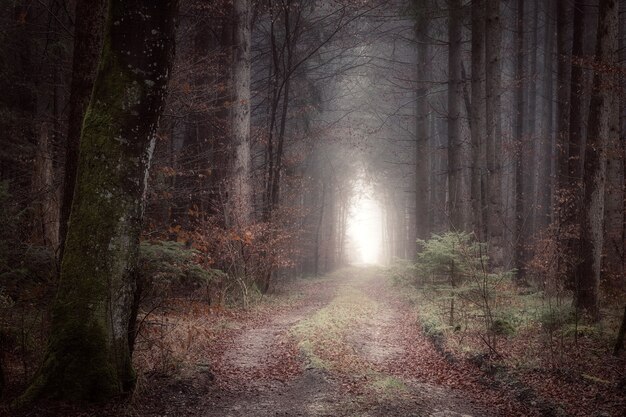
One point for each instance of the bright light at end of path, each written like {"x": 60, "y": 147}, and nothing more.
{"x": 365, "y": 229}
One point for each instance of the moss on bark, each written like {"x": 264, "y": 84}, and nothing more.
{"x": 88, "y": 357}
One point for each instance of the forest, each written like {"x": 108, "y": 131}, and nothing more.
{"x": 313, "y": 208}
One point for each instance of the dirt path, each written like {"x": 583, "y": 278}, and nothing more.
{"x": 347, "y": 347}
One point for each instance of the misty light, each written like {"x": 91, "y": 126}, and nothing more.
{"x": 365, "y": 227}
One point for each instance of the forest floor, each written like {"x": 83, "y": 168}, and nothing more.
{"x": 343, "y": 345}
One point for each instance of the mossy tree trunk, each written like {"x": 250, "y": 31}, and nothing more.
{"x": 88, "y": 33}
{"x": 88, "y": 357}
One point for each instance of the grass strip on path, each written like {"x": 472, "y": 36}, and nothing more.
{"x": 323, "y": 337}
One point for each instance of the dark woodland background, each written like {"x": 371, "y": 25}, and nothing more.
{"x": 491, "y": 133}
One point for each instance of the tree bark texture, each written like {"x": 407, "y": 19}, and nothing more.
{"x": 621, "y": 334}
{"x": 478, "y": 117}
{"x": 455, "y": 86}
{"x": 88, "y": 33}
{"x": 603, "y": 127}
{"x": 563, "y": 46}
{"x": 519, "y": 252}
{"x": 46, "y": 207}
{"x": 545, "y": 182}
{"x": 493, "y": 35}
{"x": 422, "y": 129}
{"x": 241, "y": 193}
{"x": 569, "y": 200}
{"x": 88, "y": 357}
{"x": 530, "y": 150}
{"x": 614, "y": 268}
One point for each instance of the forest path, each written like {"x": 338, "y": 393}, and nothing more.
{"x": 346, "y": 348}
{"x": 345, "y": 345}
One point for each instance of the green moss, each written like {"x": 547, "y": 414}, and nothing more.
{"x": 573, "y": 330}
{"x": 78, "y": 364}
{"x": 502, "y": 327}
{"x": 388, "y": 385}
{"x": 553, "y": 318}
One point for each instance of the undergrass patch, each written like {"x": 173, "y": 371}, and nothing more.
{"x": 322, "y": 337}
{"x": 389, "y": 386}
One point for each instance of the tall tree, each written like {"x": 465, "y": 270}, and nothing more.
{"x": 563, "y": 25}
{"x": 88, "y": 31}
{"x": 282, "y": 51}
{"x": 422, "y": 128}
{"x": 622, "y": 141}
{"x": 519, "y": 252}
{"x": 241, "y": 192}
{"x": 530, "y": 150}
{"x": 614, "y": 266}
{"x": 569, "y": 148}
{"x": 47, "y": 74}
{"x": 478, "y": 118}
{"x": 88, "y": 356}
{"x": 455, "y": 86}
{"x": 602, "y": 128}
{"x": 493, "y": 37}
{"x": 545, "y": 156}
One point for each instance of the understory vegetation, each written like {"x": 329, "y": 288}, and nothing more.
{"x": 529, "y": 330}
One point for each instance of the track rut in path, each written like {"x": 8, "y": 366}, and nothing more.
{"x": 347, "y": 347}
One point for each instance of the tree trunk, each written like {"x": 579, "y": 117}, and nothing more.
{"x": 88, "y": 357}
{"x": 531, "y": 151}
{"x": 88, "y": 33}
{"x": 577, "y": 89}
{"x": 563, "y": 26}
{"x": 562, "y": 183}
{"x": 277, "y": 86}
{"x": 622, "y": 119}
{"x": 241, "y": 193}
{"x": 318, "y": 231}
{"x": 493, "y": 138}
{"x": 519, "y": 254}
{"x": 545, "y": 183}
{"x": 46, "y": 214}
{"x": 2, "y": 382}
{"x": 612, "y": 272}
{"x": 569, "y": 202}
{"x": 455, "y": 39}
{"x": 289, "y": 45}
{"x": 478, "y": 119}
{"x": 602, "y": 129}
{"x": 330, "y": 227}
{"x": 422, "y": 129}
{"x": 44, "y": 187}
{"x": 614, "y": 225}
{"x": 619, "y": 341}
